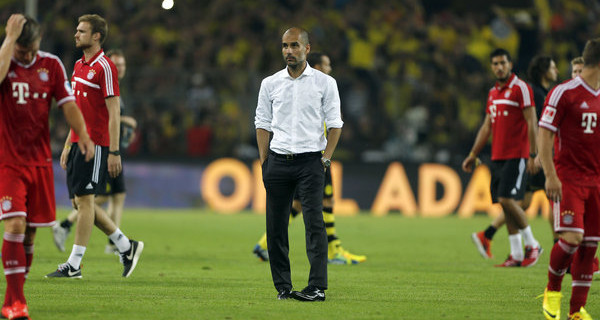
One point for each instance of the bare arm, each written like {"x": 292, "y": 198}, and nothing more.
{"x": 263, "y": 138}
{"x": 531, "y": 119}
{"x": 333, "y": 136}
{"x": 553, "y": 184}
{"x": 114, "y": 123}
{"x": 14, "y": 26}
{"x": 482, "y": 137}
{"x": 130, "y": 121}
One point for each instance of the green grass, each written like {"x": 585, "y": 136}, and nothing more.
{"x": 198, "y": 265}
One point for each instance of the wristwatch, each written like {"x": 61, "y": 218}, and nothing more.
{"x": 326, "y": 162}
{"x": 115, "y": 153}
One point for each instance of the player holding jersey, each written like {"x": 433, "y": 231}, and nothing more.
{"x": 510, "y": 120}
{"x": 28, "y": 83}
{"x": 573, "y": 182}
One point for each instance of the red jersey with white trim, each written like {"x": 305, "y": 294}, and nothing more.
{"x": 93, "y": 81}
{"x": 571, "y": 111}
{"x": 509, "y": 129}
{"x": 26, "y": 97}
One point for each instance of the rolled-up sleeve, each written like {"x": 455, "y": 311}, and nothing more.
{"x": 264, "y": 108}
{"x": 331, "y": 105}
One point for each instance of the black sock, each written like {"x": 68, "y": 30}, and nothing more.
{"x": 489, "y": 232}
{"x": 66, "y": 224}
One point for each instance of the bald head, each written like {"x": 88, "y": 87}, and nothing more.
{"x": 298, "y": 32}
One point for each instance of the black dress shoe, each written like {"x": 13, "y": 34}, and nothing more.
{"x": 309, "y": 293}
{"x": 284, "y": 294}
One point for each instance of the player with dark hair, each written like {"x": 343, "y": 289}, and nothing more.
{"x": 510, "y": 120}
{"x": 572, "y": 167}
{"x": 336, "y": 254}
{"x": 29, "y": 80}
{"x": 114, "y": 193}
{"x": 97, "y": 93}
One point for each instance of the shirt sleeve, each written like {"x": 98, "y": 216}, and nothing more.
{"x": 109, "y": 81}
{"x": 553, "y": 113}
{"x": 264, "y": 108}
{"x": 62, "y": 87}
{"x": 526, "y": 95}
{"x": 331, "y": 105}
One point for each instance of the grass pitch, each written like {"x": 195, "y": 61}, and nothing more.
{"x": 198, "y": 265}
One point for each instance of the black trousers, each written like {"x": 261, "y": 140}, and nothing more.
{"x": 282, "y": 175}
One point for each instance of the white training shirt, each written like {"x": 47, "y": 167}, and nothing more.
{"x": 296, "y": 110}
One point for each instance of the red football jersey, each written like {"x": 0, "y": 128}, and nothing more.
{"x": 26, "y": 94}
{"x": 94, "y": 81}
{"x": 571, "y": 111}
{"x": 509, "y": 129}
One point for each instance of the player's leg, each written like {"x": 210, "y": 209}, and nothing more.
{"x": 483, "y": 239}
{"x": 61, "y": 231}
{"x": 515, "y": 258}
{"x": 130, "y": 250}
{"x": 336, "y": 254}
{"x": 568, "y": 219}
{"x": 116, "y": 203}
{"x": 84, "y": 178}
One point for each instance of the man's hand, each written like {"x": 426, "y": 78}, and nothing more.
{"x": 14, "y": 26}
{"x": 87, "y": 148}
{"x": 470, "y": 162}
{"x": 553, "y": 188}
{"x": 114, "y": 165}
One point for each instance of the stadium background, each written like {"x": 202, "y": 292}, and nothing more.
{"x": 413, "y": 76}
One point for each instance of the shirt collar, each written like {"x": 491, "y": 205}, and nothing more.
{"x": 26, "y": 65}
{"x": 308, "y": 71}
{"x": 508, "y": 83}
{"x": 94, "y": 58}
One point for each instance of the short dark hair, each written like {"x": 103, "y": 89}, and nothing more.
{"x": 98, "y": 25}
{"x": 591, "y": 53}
{"x": 538, "y": 67}
{"x": 315, "y": 58}
{"x": 115, "y": 52}
{"x": 500, "y": 52}
{"x": 31, "y": 32}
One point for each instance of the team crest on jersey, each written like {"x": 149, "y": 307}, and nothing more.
{"x": 549, "y": 114}
{"x": 43, "y": 74}
{"x": 6, "y": 202}
{"x": 91, "y": 74}
{"x": 507, "y": 94}
{"x": 567, "y": 216}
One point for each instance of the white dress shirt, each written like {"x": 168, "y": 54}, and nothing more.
{"x": 296, "y": 110}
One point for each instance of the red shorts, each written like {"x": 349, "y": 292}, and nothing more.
{"x": 578, "y": 211}
{"x": 27, "y": 191}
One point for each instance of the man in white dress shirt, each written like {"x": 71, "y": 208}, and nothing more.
{"x": 293, "y": 106}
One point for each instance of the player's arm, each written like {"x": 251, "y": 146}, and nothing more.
{"x": 114, "y": 123}
{"x": 14, "y": 26}
{"x": 545, "y": 143}
{"x": 130, "y": 121}
{"x": 531, "y": 119}
{"x": 480, "y": 140}
{"x": 75, "y": 120}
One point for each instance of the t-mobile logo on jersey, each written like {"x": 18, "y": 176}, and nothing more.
{"x": 20, "y": 91}
{"x": 588, "y": 121}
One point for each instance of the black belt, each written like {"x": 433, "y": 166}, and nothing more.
{"x": 295, "y": 156}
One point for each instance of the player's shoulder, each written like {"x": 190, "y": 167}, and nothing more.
{"x": 562, "y": 89}
{"x": 47, "y": 57}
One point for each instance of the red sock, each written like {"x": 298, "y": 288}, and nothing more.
{"x": 13, "y": 260}
{"x": 582, "y": 272}
{"x": 28, "y": 258}
{"x": 560, "y": 259}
